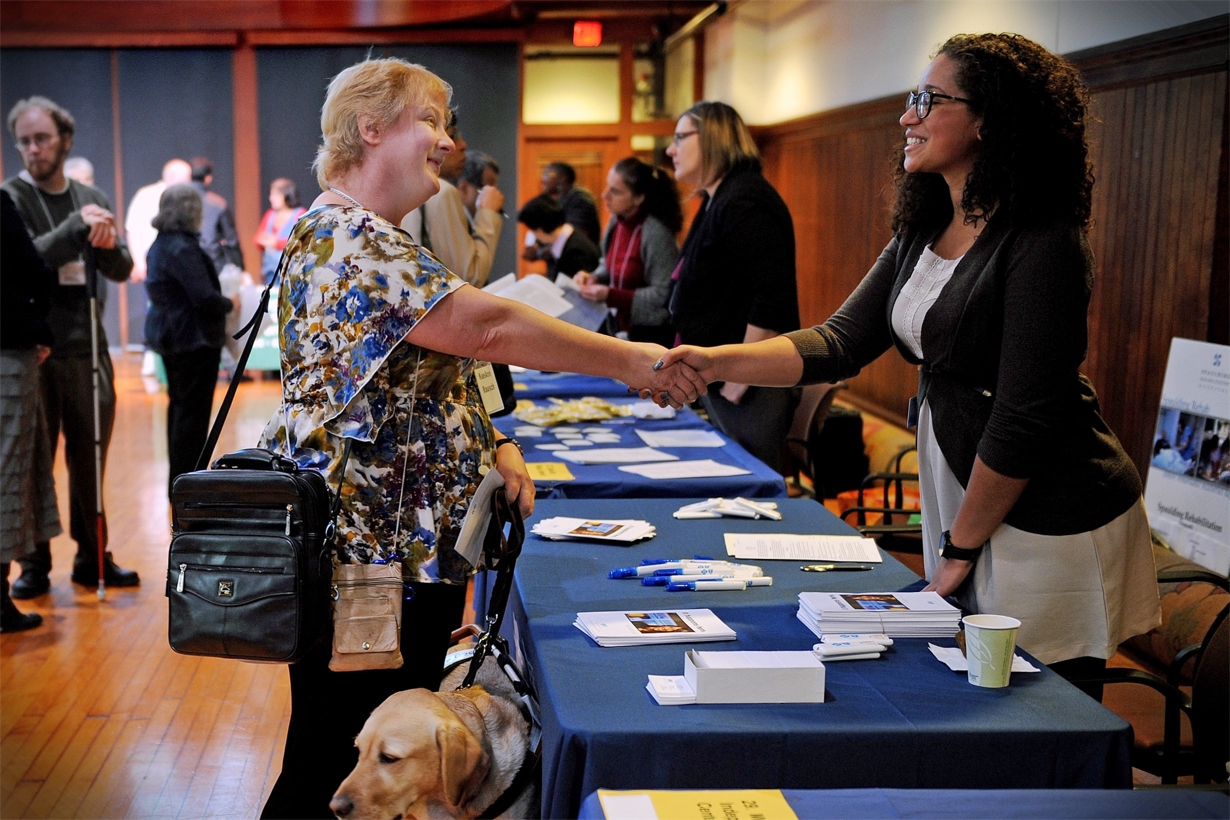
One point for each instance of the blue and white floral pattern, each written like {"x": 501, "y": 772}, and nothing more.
{"x": 353, "y": 286}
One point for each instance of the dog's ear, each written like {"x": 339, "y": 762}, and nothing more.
{"x": 463, "y": 763}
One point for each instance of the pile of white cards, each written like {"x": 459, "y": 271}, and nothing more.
{"x": 852, "y": 646}
{"x": 613, "y": 530}
{"x": 640, "y": 628}
{"x": 896, "y": 614}
{"x": 729, "y": 508}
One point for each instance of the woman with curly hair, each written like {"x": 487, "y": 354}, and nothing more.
{"x": 1031, "y": 508}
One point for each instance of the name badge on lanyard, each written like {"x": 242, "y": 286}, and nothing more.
{"x": 72, "y": 273}
{"x": 484, "y": 374}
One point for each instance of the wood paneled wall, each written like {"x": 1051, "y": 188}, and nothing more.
{"x": 1159, "y": 232}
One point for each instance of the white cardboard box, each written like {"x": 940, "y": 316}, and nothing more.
{"x": 754, "y": 677}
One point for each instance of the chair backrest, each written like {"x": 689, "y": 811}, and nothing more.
{"x": 1211, "y": 704}
{"x": 808, "y": 419}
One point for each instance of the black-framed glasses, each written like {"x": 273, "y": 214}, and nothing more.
{"x": 681, "y": 136}
{"x": 921, "y": 101}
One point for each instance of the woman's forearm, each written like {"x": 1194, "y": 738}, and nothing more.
{"x": 478, "y": 325}
{"x": 989, "y": 497}
{"x": 773, "y": 362}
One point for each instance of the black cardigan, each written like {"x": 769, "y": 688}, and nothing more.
{"x": 187, "y": 309}
{"x": 1004, "y": 342}
{"x": 738, "y": 265}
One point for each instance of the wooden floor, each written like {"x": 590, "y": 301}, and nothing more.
{"x": 98, "y": 717}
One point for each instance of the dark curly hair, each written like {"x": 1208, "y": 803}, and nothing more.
{"x": 1033, "y": 165}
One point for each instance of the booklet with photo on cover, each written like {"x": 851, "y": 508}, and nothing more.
{"x": 664, "y": 626}
{"x": 896, "y": 614}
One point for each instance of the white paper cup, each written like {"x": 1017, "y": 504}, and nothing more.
{"x": 990, "y": 642}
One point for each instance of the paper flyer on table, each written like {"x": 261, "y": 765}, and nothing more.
{"x": 616, "y": 455}
{"x": 787, "y": 547}
{"x": 742, "y": 804}
{"x": 951, "y": 657}
{"x": 703, "y": 468}
{"x": 681, "y": 438}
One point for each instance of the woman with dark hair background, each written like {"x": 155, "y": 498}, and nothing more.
{"x": 638, "y": 250}
{"x": 736, "y": 277}
{"x": 284, "y": 211}
{"x": 1031, "y": 508}
{"x": 185, "y": 324}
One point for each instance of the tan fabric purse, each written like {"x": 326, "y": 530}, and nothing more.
{"x": 367, "y": 601}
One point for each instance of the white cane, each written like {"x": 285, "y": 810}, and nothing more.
{"x": 91, "y": 278}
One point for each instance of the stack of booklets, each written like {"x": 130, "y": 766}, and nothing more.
{"x": 611, "y": 530}
{"x": 641, "y": 628}
{"x": 895, "y": 614}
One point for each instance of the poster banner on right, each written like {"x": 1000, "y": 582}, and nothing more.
{"x": 1187, "y": 491}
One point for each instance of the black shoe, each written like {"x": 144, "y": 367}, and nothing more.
{"x": 11, "y": 620}
{"x": 86, "y": 573}
{"x": 31, "y": 584}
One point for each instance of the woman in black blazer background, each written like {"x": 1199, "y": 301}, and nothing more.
{"x": 186, "y": 323}
{"x": 735, "y": 282}
{"x": 1031, "y": 508}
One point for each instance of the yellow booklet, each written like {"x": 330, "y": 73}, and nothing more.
{"x": 549, "y": 471}
{"x": 736, "y": 804}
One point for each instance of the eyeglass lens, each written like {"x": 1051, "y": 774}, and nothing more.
{"x": 920, "y": 101}
{"x": 41, "y": 140}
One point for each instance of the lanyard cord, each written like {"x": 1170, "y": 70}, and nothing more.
{"x": 51, "y": 223}
{"x": 621, "y": 277}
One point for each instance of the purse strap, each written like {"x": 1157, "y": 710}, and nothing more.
{"x": 254, "y": 325}
{"x": 504, "y": 561}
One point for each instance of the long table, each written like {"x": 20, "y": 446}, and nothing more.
{"x": 608, "y": 481}
{"x": 537, "y": 384}
{"x": 975, "y": 804}
{"x": 903, "y": 721}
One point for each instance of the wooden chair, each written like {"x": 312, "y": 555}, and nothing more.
{"x": 896, "y": 527}
{"x": 1207, "y": 707}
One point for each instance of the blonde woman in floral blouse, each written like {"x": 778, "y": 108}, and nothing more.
{"x": 379, "y": 345}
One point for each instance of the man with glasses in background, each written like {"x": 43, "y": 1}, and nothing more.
{"x": 66, "y": 218}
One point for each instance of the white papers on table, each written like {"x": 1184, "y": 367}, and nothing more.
{"x": 951, "y": 657}
{"x": 681, "y": 438}
{"x": 619, "y": 530}
{"x": 671, "y": 690}
{"x": 617, "y": 455}
{"x": 649, "y": 410}
{"x": 538, "y": 292}
{"x": 528, "y": 431}
{"x": 551, "y": 446}
{"x": 474, "y": 528}
{"x": 778, "y": 546}
{"x": 640, "y": 628}
{"x": 896, "y": 614}
{"x": 703, "y": 468}
{"x": 603, "y": 438}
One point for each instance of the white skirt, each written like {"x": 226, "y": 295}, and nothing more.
{"x": 1077, "y": 595}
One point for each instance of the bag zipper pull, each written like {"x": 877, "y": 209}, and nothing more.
{"x": 183, "y": 570}
{"x": 289, "y": 509}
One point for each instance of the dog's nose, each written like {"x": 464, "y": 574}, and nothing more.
{"x": 341, "y": 805}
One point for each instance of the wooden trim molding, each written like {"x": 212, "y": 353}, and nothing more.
{"x": 118, "y": 39}
{"x": 1195, "y": 48}
{"x": 246, "y": 116}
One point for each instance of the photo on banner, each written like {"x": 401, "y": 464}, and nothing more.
{"x": 1187, "y": 490}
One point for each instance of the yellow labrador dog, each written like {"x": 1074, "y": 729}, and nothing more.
{"x": 439, "y": 755}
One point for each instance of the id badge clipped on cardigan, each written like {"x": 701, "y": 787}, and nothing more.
{"x": 484, "y": 374}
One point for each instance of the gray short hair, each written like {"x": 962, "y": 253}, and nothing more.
{"x": 179, "y": 209}
{"x": 476, "y": 163}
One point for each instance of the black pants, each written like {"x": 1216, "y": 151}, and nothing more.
{"x": 1076, "y": 667}
{"x": 68, "y": 405}
{"x": 329, "y": 708}
{"x": 191, "y": 378}
{"x": 760, "y": 423}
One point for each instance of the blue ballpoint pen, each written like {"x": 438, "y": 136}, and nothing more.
{"x": 706, "y": 586}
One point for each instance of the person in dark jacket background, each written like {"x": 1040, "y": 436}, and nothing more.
{"x": 570, "y": 250}
{"x": 185, "y": 324}
{"x": 28, "y": 512}
{"x": 736, "y": 277}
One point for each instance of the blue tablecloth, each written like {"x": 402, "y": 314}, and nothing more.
{"x": 903, "y": 721}
{"x": 886, "y": 804}
{"x": 608, "y": 481}
{"x": 535, "y": 384}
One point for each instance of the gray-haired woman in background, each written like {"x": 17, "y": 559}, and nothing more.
{"x": 186, "y": 323}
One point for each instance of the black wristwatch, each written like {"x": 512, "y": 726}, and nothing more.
{"x": 951, "y": 551}
{"x": 513, "y": 442}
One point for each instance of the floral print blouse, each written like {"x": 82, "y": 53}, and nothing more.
{"x": 353, "y": 285}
